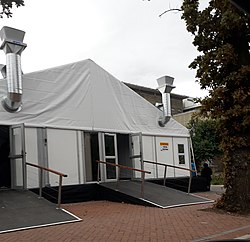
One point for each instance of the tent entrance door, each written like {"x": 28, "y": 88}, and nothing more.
{"x": 18, "y": 157}
{"x": 136, "y": 150}
{"x": 109, "y": 154}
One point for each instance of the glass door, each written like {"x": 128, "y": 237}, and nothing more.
{"x": 136, "y": 150}
{"x": 18, "y": 157}
{"x": 110, "y": 156}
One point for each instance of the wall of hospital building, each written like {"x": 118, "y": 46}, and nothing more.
{"x": 184, "y": 118}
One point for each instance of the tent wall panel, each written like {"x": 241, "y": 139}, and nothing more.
{"x": 164, "y": 154}
{"x": 62, "y": 155}
{"x": 31, "y": 157}
{"x": 149, "y": 154}
{"x": 181, "y": 155}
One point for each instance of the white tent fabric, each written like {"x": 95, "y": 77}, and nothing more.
{"x": 84, "y": 96}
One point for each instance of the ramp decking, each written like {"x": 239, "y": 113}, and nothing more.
{"x": 157, "y": 195}
{"x": 23, "y": 209}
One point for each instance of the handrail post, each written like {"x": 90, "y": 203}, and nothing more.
{"x": 61, "y": 175}
{"x": 40, "y": 183}
{"x": 165, "y": 176}
{"x": 59, "y": 192}
{"x": 118, "y": 179}
{"x": 142, "y": 184}
{"x": 119, "y": 167}
{"x": 98, "y": 173}
{"x": 189, "y": 184}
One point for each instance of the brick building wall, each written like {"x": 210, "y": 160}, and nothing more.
{"x": 154, "y": 96}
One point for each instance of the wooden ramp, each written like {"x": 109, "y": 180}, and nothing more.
{"x": 157, "y": 195}
{"x": 23, "y": 209}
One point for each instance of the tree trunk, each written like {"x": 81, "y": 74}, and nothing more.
{"x": 237, "y": 177}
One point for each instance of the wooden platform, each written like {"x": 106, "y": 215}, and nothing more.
{"x": 23, "y": 209}
{"x": 157, "y": 195}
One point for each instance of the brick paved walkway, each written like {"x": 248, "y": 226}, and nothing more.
{"x": 107, "y": 221}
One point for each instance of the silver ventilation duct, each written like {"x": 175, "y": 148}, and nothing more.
{"x": 165, "y": 86}
{"x": 13, "y": 46}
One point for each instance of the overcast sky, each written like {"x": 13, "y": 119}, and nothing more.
{"x": 125, "y": 37}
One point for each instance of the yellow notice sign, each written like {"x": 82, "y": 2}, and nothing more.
{"x": 164, "y": 146}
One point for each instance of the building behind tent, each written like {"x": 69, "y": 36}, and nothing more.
{"x": 182, "y": 107}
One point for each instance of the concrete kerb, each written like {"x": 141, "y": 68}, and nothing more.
{"x": 217, "y": 188}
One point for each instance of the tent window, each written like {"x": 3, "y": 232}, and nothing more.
{"x": 109, "y": 145}
{"x": 181, "y": 154}
{"x": 111, "y": 170}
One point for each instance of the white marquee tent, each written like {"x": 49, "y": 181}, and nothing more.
{"x": 77, "y": 99}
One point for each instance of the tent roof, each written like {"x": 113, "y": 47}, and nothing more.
{"x": 84, "y": 96}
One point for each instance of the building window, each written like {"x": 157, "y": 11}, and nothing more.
{"x": 181, "y": 154}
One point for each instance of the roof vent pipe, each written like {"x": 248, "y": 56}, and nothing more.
{"x": 165, "y": 86}
{"x": 13, "y": 46}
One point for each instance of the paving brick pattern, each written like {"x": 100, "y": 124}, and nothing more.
{"x": 107, "y": 221}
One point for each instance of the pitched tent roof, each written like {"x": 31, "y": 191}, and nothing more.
{"x": 84, "y": 96}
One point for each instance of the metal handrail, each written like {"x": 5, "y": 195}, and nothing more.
{"x": 143, "y": 172}
{"x": 61, "y": 175}
{"x": 177, "y": 167}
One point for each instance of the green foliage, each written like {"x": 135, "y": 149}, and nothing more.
{"x": 217, "y": 179}
{"x": 205, "y": 139}
{"x": 7, "y": 6}
{"x": 221, "y": 34}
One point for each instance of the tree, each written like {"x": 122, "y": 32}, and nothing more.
{"x": 7, "y": 6}
{"x": 221, "y": 34}
{"x": 205, "y": 139}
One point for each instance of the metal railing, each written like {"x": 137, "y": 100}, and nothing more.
{"x": 177, "y": 167}
{"x": 119, "y": 171}
{"x": 61, "y": 175}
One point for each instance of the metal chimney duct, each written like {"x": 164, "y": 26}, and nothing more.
{"x": 165, "y": 86}
{"x": 13, "y": 46}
